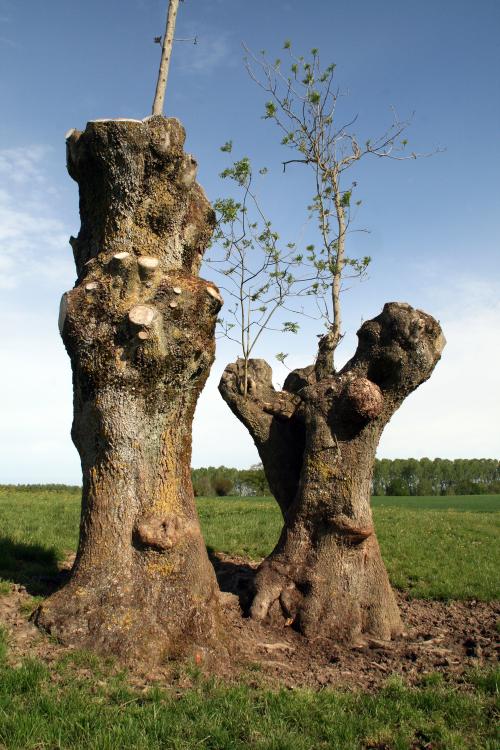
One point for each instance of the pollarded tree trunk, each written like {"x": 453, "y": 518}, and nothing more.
{"x": 139, "y": 329}
{"x": 317, "y": 440}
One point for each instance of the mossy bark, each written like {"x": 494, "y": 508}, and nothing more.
{"x": 317, "y": 439}
{"x": 139, "y": 329}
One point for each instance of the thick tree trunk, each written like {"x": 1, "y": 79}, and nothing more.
{"x": 317, "y": 440}
{"x": 139, "y": 329}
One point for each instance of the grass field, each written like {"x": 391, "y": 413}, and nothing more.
{"x": 433, "y": 547}
{"x": 63, "y": 710}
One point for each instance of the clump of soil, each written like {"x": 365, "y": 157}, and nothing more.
{"x": 444, "y": 637}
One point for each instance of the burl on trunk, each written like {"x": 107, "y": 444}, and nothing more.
{"x": 139, "y": 329}
{"x": 317, "y": 440}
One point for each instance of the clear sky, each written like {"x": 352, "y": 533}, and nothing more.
{"x": 434, "y": 222}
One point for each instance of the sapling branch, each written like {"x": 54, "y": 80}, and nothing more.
{"x": 166, "y": 54}
{"x": 303, "y": 103}
{"x": 258, "y": 271}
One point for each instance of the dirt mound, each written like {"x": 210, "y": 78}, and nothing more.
{"x": 444, "y": 637}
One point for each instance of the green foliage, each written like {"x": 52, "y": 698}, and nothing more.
{"x": 43, "y": 488}
{"x": 262, "y": 275}
{"x": 436, "y": 477}
{"x": 290, "y": 327}
{"x": 270, "y": 110}
{"x": 222, "y": 485}
{"x": 240, "y": 171}
{"x": 222, "y": 481}
{"x": 3, "y": 645}
{"x": 304, "y": 101}
{"x": 346, "y": 199}
{"x": 257, "y": 269}
{"x": 281, "y": 357}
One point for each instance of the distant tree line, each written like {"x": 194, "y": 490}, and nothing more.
{"x": 400, "y": 477}
{"x": 438, "y": 476}
{"x": 223, "y": 481}
{"x": 68, "y": 488}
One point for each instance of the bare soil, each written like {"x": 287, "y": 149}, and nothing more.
{"x": 441, "y": 637}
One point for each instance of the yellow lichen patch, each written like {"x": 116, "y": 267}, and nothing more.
{"x": 127, "y": 620}
{"x": 160, "y": 566}
{"x": 167, "y": 500}
{"x": 121, "y": 621}
{"x": 322, "y": 470}
{"x": 120, "y": 361}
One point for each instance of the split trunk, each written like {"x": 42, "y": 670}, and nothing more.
{"x": 317, "y": 439}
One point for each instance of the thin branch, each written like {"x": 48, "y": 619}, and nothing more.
{"x": 166, "y": 54}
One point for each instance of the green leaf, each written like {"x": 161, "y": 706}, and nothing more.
{"x": 345, "y": 201}
{"x": 270, "y": 110}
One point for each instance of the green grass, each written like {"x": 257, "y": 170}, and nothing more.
{"x": 81, "y": 703}
{"x": 440, "y": 554}
{"x": 469, "y": 503}
{"x": 444, "y": 548}
{"x": 37, "y": 529}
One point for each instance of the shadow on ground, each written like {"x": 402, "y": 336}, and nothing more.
{"x": 39, "y": 570}
{"x": 234, "y": 576}
{"x": 33, "y": 566}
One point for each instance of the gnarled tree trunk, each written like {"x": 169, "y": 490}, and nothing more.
{"x": 139, "y": 329}
{"x": 317, "y": 440}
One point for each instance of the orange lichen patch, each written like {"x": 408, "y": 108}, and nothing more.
{"x": 365, "y": 397}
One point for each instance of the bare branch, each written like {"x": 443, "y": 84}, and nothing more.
{"x": 166, "y": 54}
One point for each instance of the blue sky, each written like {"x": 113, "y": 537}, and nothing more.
{"x": 434, "y": 223}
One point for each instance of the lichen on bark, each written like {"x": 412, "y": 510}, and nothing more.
{"x": 139, "y": 329}
{"x": 317, "y": 439}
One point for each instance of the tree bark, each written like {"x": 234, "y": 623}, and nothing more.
{"x": 317, "y": 439}
{"x": 139, "y": 329}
